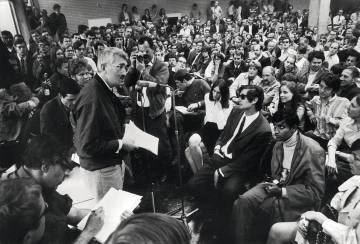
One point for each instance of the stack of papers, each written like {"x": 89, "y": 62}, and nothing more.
{"x": 115, "y": 203}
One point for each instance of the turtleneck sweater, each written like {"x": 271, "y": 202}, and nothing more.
{"x": 289, "y": 149}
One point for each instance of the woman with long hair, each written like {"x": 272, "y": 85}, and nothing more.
{"x": 217, "y": 110}
{"x": 291, "y": 101}
{"x": 215, "y": 69}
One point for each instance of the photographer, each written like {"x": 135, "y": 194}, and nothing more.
{"x": 146, "y": 68}
{"x": 298, "y": 170}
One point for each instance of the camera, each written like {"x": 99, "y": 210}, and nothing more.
{"x": 277, "y": 182}
{"x": 140, "y": 57}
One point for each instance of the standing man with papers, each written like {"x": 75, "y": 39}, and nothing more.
{"x": 100, "y": 125}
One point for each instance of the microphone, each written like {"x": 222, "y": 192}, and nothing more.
{"x": 144, "y": 83}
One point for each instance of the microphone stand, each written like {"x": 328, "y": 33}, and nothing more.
{"x": 184, "y": 216}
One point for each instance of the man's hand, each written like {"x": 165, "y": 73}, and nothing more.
{"x": 125, "y": 215}
{"x": 192, "y": 107}
{"x": 95, "y": 221}
{"x": 315, "y": 216}
{"x": 331, "y": 167}
{"x": 129, "y": 144}
{"x": 273, "y": 190}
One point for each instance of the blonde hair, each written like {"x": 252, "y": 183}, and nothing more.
{"x": 107, "y": 57}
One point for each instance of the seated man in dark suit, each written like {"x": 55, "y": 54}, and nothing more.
{"x": 237, "y": 152}
{"x": 56, "y": 115}
{"x": 235, "y": 68}
{"x": 298, "y": 185}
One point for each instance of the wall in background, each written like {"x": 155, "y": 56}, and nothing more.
{"x": 79, "y": 11}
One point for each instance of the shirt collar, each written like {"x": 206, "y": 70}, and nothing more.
{"x": 252, "y": 117}
{"x": 20, "y": 57}
{"x": 102, "y": 79}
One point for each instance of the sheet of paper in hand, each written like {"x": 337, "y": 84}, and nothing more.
{"x": 114, "y": 203}
{"x": 141, "y": 138}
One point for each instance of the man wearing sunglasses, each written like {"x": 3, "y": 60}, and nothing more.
{"x": 237, "y": 152}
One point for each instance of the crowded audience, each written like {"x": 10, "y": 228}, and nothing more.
{"x": 259, "y": 112}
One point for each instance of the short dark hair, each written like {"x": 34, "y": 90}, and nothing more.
{"x": 337, "y": 69}
{"x": 6, "y": 33}
{"x": 147, "y": 39}
{"x": 68, "y": 86}
{"x": 254, "y": 92}
{"x": 78, "y": 44}
{"x": 20, "y": 208}
{"x": 19, "y": 41}
{"x": 150, "y": 228}
{"x": 76, "y": 65}
{"x": 82, "y": 28}
{"x": 331, "y": 81}
{"x": 172, "y": 55}
{"x": 56, "y": 6}
{"x": 354, "y": 71}
{"x": 353, "y": 53}
{"x": 290, "y": 118}
{"x": 316, "y": 54}
{"x": 44, "y": 41}
{"x": 90, "y": 33}
{"x": 44, "y": 149}
{"x": 182, "y": 74}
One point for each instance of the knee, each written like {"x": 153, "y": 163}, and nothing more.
{"x": 276, "y": 234}
{"x": 194, "y": 140}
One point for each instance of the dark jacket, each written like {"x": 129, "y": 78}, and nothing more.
{"x": 222, "y": 28}
{"x": 99, "y": 117}
{"x": 255, "y": 29}
{"x": 231, "y": 71}
{"x": 28, "y": 73}
{"x": 159, "y": 73}
{"x": 305, "y": 185}
{"x": 55, "y": 121}
{"x": 248, "y": 147}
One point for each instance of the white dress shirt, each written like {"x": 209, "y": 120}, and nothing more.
{"x": 249, "y": 120}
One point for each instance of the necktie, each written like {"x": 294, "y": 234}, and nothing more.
{"x": 22, "y": 66}
{"x": 237, "y": 135}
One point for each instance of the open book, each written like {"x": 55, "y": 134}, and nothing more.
{"x": 114, "y": 203}
{"x": 141, "y": 138}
